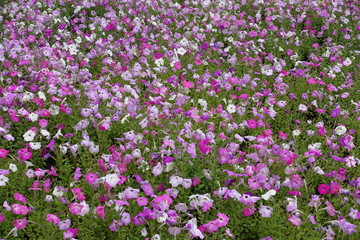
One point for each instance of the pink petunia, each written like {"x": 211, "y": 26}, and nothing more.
{"x": 148, "y": 189}
{"x": 198, "y": 62}
{"x": 75, "y": 208}
{"x": 3, "y": 153}
{"x": 203, "y": 146}
{"x": 162, "y": 202}
{"x": 311, "y": 81}
{"x": 330, "y": 208}
{"x": 100, "y": 211}
{"x": 178, "y": 65}
{"x": 20, "y": 197}
{"x": 52, "y": 218}
{"x": 20, "y": 223}
{"x": 195, "y": 181}
{"x": 323, "y": 189}
{"x": 70, "y": 233}
{"x": 187, "y": 84}
{"x": 282, "y": 135}
{"x": 142, "y": 201}
{"x": 222, "y": 220}
{"x": 296, "y": 221}
{"x": 19, "y": 209}
{"x": 24, "y": 154}
{"x": 248, "y": 211}
{"x": 252, "y": 123}
{"x": 158, "y": 55}
{"x": 252, "y": 33}
{"x": 334, "y": 188}
{"x": 91, "y": 178}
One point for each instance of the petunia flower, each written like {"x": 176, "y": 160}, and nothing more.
{"x": 323, "y": 189}
{"x": 265, "y": 211}
{"x": 3, "y": 153}
{"x": 20, "y": 223}
{"x": 142, "y": 201}
{"x": 70, "y": 233}
{"x": 158, "y": 169}
{"x": 347, "y": 227}
{"x": 295, "y": 220}
{"x": 91, "y": 178}
{"x": 268, "y": 194}
{"x": 248, "y": 199}
{"x": 330, "y": 208}
{"x": 52, "y": 218}
{"x": 248, "y": 211}
{"x": 64, "y": 224}
{"x": 112, "y": 179}
{"x": 20, "y": 197}
{"x": 334, "y": 188}
{"x": 282, "y": 135}
{"x": 251, "y": 123}
{"x": 100, "y": 211}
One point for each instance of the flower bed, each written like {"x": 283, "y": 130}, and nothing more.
{"x": 179, "y": 119}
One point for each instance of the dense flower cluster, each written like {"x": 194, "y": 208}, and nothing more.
{"x": 191, "y": 119}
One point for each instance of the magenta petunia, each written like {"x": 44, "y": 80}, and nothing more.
{"x": 20, "y": 197}
{"x": 3, "y": 153}
{"x": 91, "y": 178}
{"x": 323, "y": 189}
{"x": 52, "y": 218}
{"x": 20, "y": 223}
{"x": 295, "y": 220}
{"x": 70, "y": 233}
{"x": 252, "y": 123}
{"x": 100, "y": 211}
{"x": 19, "y": 209}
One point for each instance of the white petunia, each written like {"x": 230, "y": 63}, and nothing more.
{"x": 49, "y": 198}
{"x": 27, "y": 96}
{"x": 112, "y": 179}
{"x": 35, "y": 145}
{"x": 159, "y": 62}
{"x": 33, "y": 117}
{"x": 170, "y": 166}
{"x": 3, "y": 180}
{"x": 310, "y": 132}
{"x": 13, "y": 167}
{"x": 44, "y": 132}
{"x": 162, "y": 218}
{"x": 318, "y": 170}
{"x": 42, "y": 96}
{"x": 347, "y": 62}
{"x": 202, "y": 102}
{"x": 184, "y": 42}
{"x": 63, "y": 149}
{"x": 302, "y": 108}
{"x": 29, "y": 136}
{"x": 181, "y": 51}
{"x": 268, "y": 194}
{"x": 175, "y": 181}
{"x": 231, "y": 108}
{"x": 136, "y": 153}
{"x": 340, "y": 130}
{"x": 314, "y": 146}
{"x": 296, "y": 133}
{"x": 143, "y": 232}
{"x": 54, "y": 110}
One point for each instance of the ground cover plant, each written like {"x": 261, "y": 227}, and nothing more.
{"x": 179, "y": 119}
